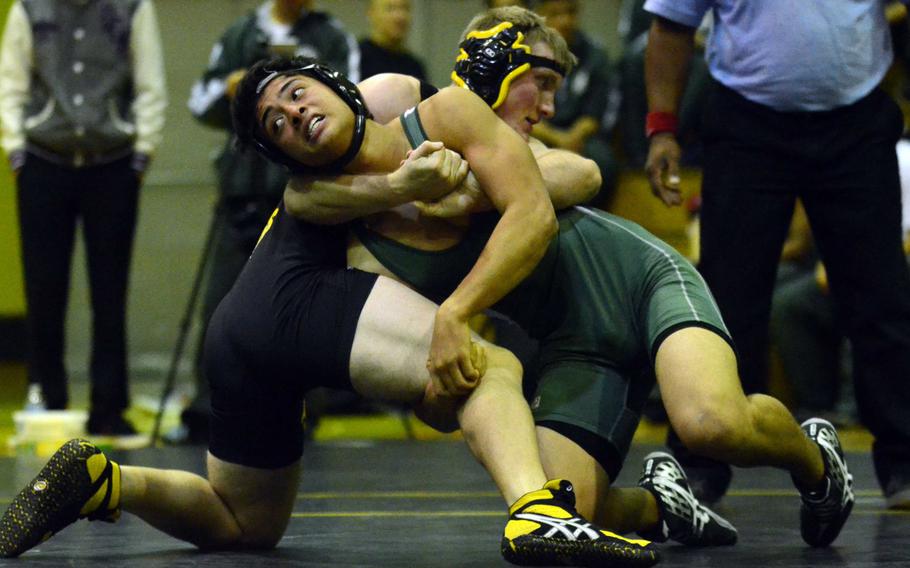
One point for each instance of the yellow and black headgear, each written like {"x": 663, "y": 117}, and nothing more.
{"x": 488, "y": 61}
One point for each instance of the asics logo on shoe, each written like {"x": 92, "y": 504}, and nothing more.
{"x": 583, "y": 530}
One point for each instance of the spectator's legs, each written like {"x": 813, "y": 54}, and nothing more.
{"x": 47, "y": 218}
{"x": 809, "y": 343}
{"x": 108, "y": 205}
{"x": 855, "y": 214}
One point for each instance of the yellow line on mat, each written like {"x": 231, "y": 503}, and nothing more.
{"x": 466, "y": 514}
{"x": 330, "y": 495}
{"x": 492, "y": 494}
{"x": 398, "y": 495}
{"x": 790, "y": 493}
{"x": 360, "y": 514}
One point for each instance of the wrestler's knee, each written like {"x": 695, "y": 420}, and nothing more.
{"x": 438, "y": 410}
{"x": 503, "y": 365}
{"x": 261, "y": 538}
{"x": 713, "y": 430}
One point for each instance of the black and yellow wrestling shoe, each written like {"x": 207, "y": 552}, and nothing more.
{"x": 544, "y": 529}
{"x": 78, "y": 482}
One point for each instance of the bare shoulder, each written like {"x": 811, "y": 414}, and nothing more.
{"x": 454, "y": 116}
{"x": 389, "y": 94}
{"x": 454, "y": 98}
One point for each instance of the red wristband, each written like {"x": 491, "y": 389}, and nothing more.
{"x": 657, "y": 122}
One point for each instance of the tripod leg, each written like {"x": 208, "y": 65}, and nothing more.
{"x": 186, "y": 322}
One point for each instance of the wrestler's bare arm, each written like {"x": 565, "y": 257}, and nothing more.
{"x": 504, "y": 165}
{"x": 569, "y": 178}
{"x": 429, "y": 172}
{"x": 332, "y": 200}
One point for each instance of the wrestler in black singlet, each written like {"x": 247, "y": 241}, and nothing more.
{"x": 286, "y": 326}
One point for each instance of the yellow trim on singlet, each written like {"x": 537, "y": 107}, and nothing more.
{"x": 268, "y": 226}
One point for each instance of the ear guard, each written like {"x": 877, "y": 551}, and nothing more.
{"x": 488, "y": 61}
{"x": 345, "y": 89}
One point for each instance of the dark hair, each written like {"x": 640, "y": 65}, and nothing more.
{"x": 246, "y": 121}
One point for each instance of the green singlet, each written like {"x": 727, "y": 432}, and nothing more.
{"x": 600, "y": 302}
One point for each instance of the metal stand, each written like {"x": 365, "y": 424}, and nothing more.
{"x": 186, "y": 322}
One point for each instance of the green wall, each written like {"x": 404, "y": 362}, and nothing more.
{"x": 12, "y": 296}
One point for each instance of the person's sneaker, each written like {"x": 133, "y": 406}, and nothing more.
{"x": 824, "y": 512}
{"x": 109, "y": 425}
{"x": 77, "y": 482}
{"x": 897, "y": 495}
{"x": 34, "y": 399}
{"x": 682, "y": 517}
{"x": 544, "y": 529}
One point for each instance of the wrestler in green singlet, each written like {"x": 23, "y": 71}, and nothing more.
{"x": 605, "y": 295}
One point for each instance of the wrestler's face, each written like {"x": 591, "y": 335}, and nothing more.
{"x": 305, "y": 119}
{"x": 531, "y": 95}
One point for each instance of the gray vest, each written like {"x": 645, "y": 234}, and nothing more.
{"x": 81, "y": 84}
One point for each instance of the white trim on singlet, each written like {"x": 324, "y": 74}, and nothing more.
{"x": 668, "y": 256}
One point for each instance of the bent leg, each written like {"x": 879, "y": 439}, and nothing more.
{"x": 387, "y": 362}
{"x": 237, "y": 506}
{"x": 621, "y": 509}
{"x": 696, "y": 371}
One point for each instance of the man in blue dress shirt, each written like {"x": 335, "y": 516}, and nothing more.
{"x": 795, "y": 111}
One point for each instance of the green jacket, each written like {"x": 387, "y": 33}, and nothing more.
{"x": 249, "y": 39}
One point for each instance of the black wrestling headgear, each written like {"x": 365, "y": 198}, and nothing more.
{"x": 488, "y": 61}
{"x": 267, "y": 71}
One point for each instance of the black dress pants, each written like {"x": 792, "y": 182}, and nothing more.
{"x": 52, "y": 199}
{"x": 842, "y": 164}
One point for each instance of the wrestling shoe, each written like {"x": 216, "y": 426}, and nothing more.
{"x": 544, "y": 529}
{"x": 682, "y": 517}
{"x": 78, "y": 482}
{"x": 824, "y": 512}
